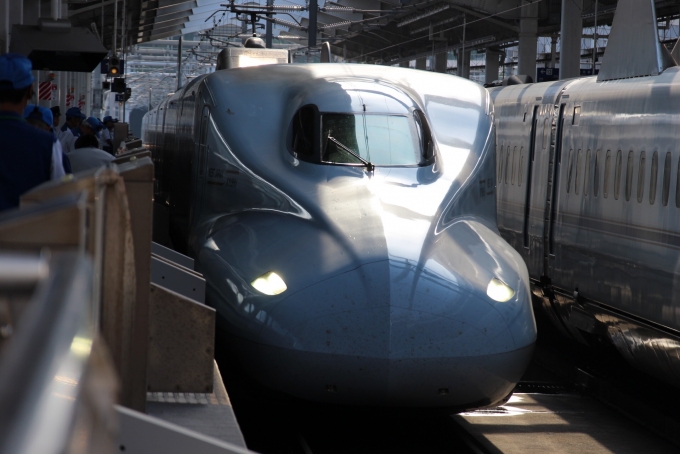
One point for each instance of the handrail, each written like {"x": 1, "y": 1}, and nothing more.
{"x": 51, "y": 360}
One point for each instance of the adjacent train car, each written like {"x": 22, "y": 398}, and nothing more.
{"x": 588, "y": 174}
{"x": 344, "y": 217}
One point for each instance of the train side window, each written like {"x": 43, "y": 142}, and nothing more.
{"x": 677, "y": 187}
{"x": 617, "y": 176}
{"x": 577, "y": 116}
{"x": 507, "y": 163}
{"x": 641, "y": 178}
{"x": 586, "y": 179}
{"x": 500, "y": 165}
{"x": 514, "y": 165}
{"x": 596, "y": 176}
{"x": 666, "y": 179}
{"x": 546, "y": 132}
{"x": 579, "y": 160}
{"x": 427, "y": 143}
{"x": 521, "y": 166}
{"x": 607, "y": 170}
{"x": 629, "y": 175}
{"x": 570, "y": 167}
{"x": 653, "y": 178}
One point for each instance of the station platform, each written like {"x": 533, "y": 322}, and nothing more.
{"x": 558, "y": 423}
{"x": 208, "y": 414}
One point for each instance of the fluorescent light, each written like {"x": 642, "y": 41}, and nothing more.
{"x": 499, "y": 291}
{"x": 270, "y": 284}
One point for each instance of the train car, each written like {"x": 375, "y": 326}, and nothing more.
{"x": 344, "y": 217}
{"x": 588, "y": 175}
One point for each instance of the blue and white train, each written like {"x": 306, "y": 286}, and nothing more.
{"x": 344, "y": 217}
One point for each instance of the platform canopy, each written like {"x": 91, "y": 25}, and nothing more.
{"x": 371, "y": 31}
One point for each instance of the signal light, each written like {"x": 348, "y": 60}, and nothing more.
{"x": 114, "y": 66}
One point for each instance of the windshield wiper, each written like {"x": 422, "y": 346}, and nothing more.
{"x": 368, "y": 165}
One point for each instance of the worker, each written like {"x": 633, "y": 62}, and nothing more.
{"x": 70, "y": 131}
{"x": 41, "y": 118}
{"x": 28, "y": 157}
{"x": 107, "y": 133}
{"x": 56, "y": 118}
{"x": 87, "y": 155}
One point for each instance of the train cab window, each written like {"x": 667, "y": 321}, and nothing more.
{"x": 586, "y": 178}
{"x": 303, "y": 131}
{"x": 677, "y": 187}
{"x": 653, "y": 178}
{"x": 387, "y": 140}
{"x": 629, "y": 176}
{"x": 578, "y": 173}
{"x": 607, "y": 171}
{"x": 596, "y": 176}
{"x": 641, "y": 178}
{"x": 666, "y": 179}
{"x": 500, "y": 165}
{"x": 521, "y": 166}
{"x": 361, "y": 139}
{"x": 570, "y": 167}
{"x": 617, "y": 176}
{"x": 514, "y": 165}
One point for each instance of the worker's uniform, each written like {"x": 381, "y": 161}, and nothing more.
{"x": 27, "y": 158}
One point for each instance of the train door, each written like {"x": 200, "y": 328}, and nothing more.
{"x": 552, "y": 187}
{"x": 200, "y": 159}
{"x": 528, "y": 247}
{"x": 542, "y": 168}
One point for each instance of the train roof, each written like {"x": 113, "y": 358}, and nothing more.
{"x": 329, "y": 85}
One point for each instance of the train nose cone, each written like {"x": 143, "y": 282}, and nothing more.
{"x": 387, "y": 333}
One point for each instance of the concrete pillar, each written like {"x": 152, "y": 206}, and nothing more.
{"x": 463, "y": 63}
{"x": 31, "y": 12}
{"x": 440, "y": 62}
{"x": 570, "y": 39}
{"x": 404, "y": 64}
{"x": 528, "y": 40}
{"x": 553, "y": 51}
{"x": 11, "y": 12}
{"x": 421, "y": 63}
{"x": 492, "y": 64}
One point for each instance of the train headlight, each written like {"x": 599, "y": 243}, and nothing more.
{"x": 270, "y": 284}
{"x": 499, "y": 290}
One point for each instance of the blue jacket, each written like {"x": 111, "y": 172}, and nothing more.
{"x": 25, "y": 158}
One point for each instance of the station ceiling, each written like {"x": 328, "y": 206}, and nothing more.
{"x": 372, "y": 31}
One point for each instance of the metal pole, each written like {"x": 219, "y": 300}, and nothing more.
{"x": 311, "y": 31}
{"x": 6, "y": 26}
{"x": 464, "y": 62}
{"x": 179, "y": 63}
{"x": 102, "y": 33}
{"x": 115, "y": 25}
{"x": 595, "y": 39}
{"x": 268, "y": 29}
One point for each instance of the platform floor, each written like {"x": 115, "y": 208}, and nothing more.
{"x": 208, "y": 414}
{"x": 559, "y": 423}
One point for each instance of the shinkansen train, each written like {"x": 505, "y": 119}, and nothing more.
{"x": 344, "y": 217}
{"x": 588, "y": 178}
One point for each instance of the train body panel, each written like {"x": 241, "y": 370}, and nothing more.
{"x": 387, "y": 269}
{"x": 603, "y": 242}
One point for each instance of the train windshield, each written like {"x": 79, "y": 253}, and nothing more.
{"x": 382, "y": 140}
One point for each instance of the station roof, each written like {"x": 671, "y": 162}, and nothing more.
{"x": 374, "y": 31}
